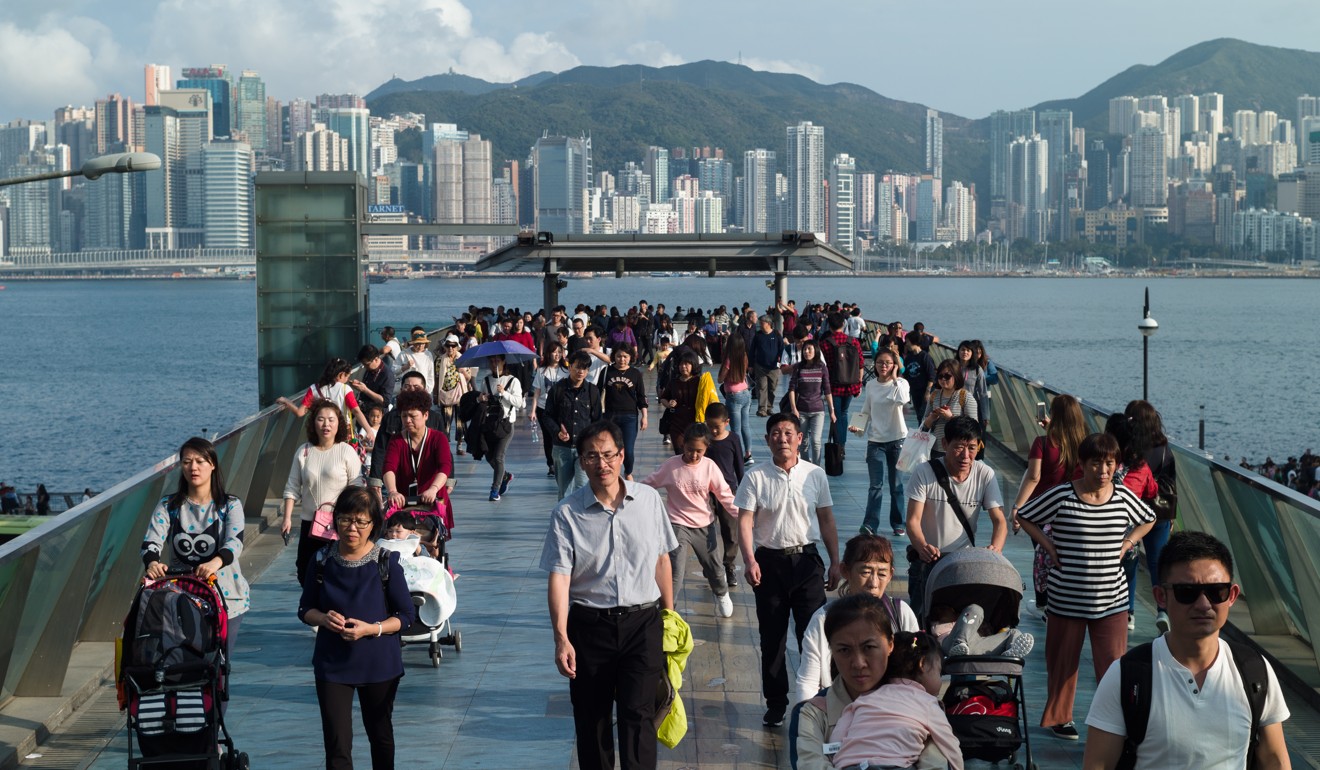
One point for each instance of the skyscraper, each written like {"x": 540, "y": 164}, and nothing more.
{"x": 960, "y": 211}
{"x": 251, "y": 110}
{"x": 929, "y": 207}
{"x": 563, "y": 179}
{"x": 1098, "y": 190}
{"x": 1121, "y": 111}
{"x": 934, "y": 131}
{"x": 228, "y": 170}
{"x": 156, "y": 78}
{"x": 1056, "y": 129}
{"x": 1189, "y": 111}
{"x": 806, "y": 178}
{"x": 33, "y": 208}
{"x": 1028, "y": 185}
{"x": 114, "y": 123}
{"x": 319, "y": 149}
{"x": 864, "y": 197}
{"x": 759, "y": 191}
{"x": 843, "y": 212}
{"x": 353, "y": 124}
{"x": 216, "y": 80}
{"x": 1004, "y": 128}
{"x": 1212, "y": 113}
{"x": 1150, "y": 185}
{"x": 657, "y": 165}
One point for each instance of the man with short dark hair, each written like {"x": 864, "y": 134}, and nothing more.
{"x": 767, "y": 347}
{"x": 834, "y": 345}
{"x": 377, "y": 383}
{"x": 784, "y": 506}
{"x": 572, "y": 404}
{"x": 607, "y": 552}
{"x": 1200, "y": 714}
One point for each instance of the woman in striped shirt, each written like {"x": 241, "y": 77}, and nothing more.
{"x": 1094, "y": 523}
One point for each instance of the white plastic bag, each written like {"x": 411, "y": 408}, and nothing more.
{"x": 916, "y": 450}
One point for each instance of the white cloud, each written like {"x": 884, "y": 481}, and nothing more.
{"x": 56, "y": 68}
{"x": 651, "y": 53}
{"x": 786, "y": 66}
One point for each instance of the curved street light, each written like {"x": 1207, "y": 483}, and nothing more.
{"x": 117, "y": 163}
{"x": 1147, "y": 326}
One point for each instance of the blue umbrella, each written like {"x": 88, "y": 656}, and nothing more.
{"x": 513, "y": 352}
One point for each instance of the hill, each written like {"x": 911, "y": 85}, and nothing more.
{"x": 1250, "y": 76}
{"x": 452, "y": 81}
{"x": 627, "y": 108}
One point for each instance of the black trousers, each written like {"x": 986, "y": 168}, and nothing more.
{"x": 377, "y": 703}
{"x": 790, "y": 585}
{"x": 619, "y": 660}
{"x": 307, "y": 548}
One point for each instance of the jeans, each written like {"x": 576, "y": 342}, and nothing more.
{"x": 881, "y": 457}
{"x": 1154, "y": 543}
{"x": 547, "y": 437}
{"x": 813, "y": 434}
{"x": 627, "y": 422}
{"x": 740, "y": 416}
{"x": 841, "y": 404}
{"x": 568, "y": 471}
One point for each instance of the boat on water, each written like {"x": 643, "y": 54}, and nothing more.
{"x": 374, "y": 277}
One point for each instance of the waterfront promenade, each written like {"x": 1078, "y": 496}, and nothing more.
{"x": 500, "y": 702}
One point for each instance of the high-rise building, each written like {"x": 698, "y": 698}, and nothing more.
{"x": 20, "y": 137}
{"x": 805, "y": 163}
{"x": 319, "y": 149}
{"x": 1028, "y": 210}
{"x": 1309, "y": 141}
{"x": 929, "y": 207}
{"x": 1004, "y": 128}
{"x": 758, "y": 208}
{"x": 33, "y": 208}
{"x": 216, "y": 80}
{"x": 1212, "y": 113}
{"x": 76, "y": 128}
{"x": 112, "y": 216}
{"x": 1099, "y": 193}
{"x": 843, "y": 203}
{"x": 885, "y": 208}
{"x": 864, "y": 195}
{"x": 1150, "y": 184}
{"x": 709, "y": 212}
{"x": 634, "y": 180}
{"x": 657, "y": 165}
{"x": 563, "y": 180}
{"x": 1056, "y": 128}
{"x": 250, "y": 117}
{"x": 353, "y": 124}
{"x": 1244, "y": 126}
{"x": 1189, "y": 112}
{"x": 156, "y": 78}
{"x": 114, "y": 123}
{"x": 301, "y": 117}
{"x": 192, "y": 108}
{"x": 1122, "y": 109}
{"x": 228, "y": 168}
{"x": 934, "y": 133}
{"x": 960, "y": 211}
{"x": 164, "y": 200}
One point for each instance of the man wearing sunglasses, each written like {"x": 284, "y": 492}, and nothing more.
{"x": 1200, "y": 713}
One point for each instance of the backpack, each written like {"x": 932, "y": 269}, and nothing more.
{"x": 1135, "y": 673}
{"x": 494, "y": 423}
{"x": 846, "y": 365}
{"x": 1165, "y": 504}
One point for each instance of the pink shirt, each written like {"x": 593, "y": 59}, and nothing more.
{"x": 890, "y": 725}
{"x": 687, "y": 488}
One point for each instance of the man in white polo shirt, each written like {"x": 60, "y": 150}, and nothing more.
{"x": 1200, "y": 715}
{"x": 784, "y": 507}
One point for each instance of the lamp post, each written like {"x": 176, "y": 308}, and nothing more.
{"x": 118, "y": 163}
{"x": 1147, "y": 326}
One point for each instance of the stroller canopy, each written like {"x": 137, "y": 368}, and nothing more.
{"x": 975, "y": 576}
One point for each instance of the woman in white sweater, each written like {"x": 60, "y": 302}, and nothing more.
{"x": 322, "y": 468}
{"x": 504, "y": 389}
{"x": 882, "y": 421}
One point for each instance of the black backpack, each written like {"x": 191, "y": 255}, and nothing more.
{"x": 846, "y": 365}
{"x": 494, "y": 423}
{"x": 1136, "y": 672}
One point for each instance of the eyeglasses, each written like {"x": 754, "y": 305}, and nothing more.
{"x": 596, "y": 458}
{"x": 1188, "y": 593}
{"x": 349, "y": 521}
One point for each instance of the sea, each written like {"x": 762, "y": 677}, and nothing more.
{"x": 102, "y": 378}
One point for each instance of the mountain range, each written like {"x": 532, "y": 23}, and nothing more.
{"x": 627, "y": 108}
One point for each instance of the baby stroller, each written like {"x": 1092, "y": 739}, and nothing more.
{"x": 985, "y": 701}
{"x": 430, "y": 581}
{"x": 172, "y": 676}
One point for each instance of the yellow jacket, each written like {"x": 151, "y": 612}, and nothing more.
{"x": 677, "y": 641}
{"x": 706, "y": 395}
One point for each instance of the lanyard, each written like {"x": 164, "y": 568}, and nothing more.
{"x": 417, "y": 459}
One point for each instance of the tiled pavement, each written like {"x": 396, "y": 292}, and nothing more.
{"x": 500, "y": 702}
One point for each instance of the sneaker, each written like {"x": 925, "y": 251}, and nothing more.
{"x": 724, "y": 606}
{"x": 1066, "y": 731}
{"x": 1132, "y": 622}
{"x": 665, "y": 441}
{"x": 865, "y": 530}
{"x": 731, "y": 576}
{"x": 748, "y": 460}
{"x": 494, "y": 495}
{"x": 900, "y": 532}
{"x": 1162, "y": 622}
{"x": 504, "y": 485}
{"x": 960, "y": 649}
{"x": 1021, "y": 646}
{"x": 774, "y": 716}
{"x": 550, "y": 474}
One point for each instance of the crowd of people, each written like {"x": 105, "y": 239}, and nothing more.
{"x": 617, "y": 546}
{"x": 1301, "y": 474}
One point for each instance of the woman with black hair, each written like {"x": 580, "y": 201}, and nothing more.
{"x": 332, "y": 386}
{"x": 356, "y": 595}
{"x": 680, "y": 396}
{"x": 201, "y": 526}
{"x": 1148, "y": 433}
{"x": 322, "y": 468}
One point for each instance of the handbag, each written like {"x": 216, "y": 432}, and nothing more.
{"x": 450, "y": 395}
{"x": 1165, "y": 504}
{"x": 323, "y": 523}
{"x": 915, "y": 451}
{"x": 833, "y": 456}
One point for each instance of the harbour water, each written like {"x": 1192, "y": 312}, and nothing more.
{"x": 104, "y": 377}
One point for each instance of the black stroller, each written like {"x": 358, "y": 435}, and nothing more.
{"x": 985, "y": 701}
{"x": 173, "y": 677}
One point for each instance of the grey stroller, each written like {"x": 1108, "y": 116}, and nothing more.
{"x": 985, "y": 701}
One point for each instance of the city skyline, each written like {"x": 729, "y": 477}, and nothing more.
{"x": 91, "y": 49}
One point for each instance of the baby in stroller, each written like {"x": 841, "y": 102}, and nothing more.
{"x": 419, "y": 537}
{"x": 967, "y": 633}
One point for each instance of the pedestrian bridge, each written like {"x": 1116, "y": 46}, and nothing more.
{"x": 65, "y": 587}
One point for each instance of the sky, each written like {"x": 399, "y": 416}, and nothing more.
{"x": 968, "y": 57}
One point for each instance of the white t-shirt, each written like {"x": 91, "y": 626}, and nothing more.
{"x": 939, "y": 524}
{"x": 545, "y": 377}
{"x": 1213, "y": 721}
{"x": 784, "y": 503}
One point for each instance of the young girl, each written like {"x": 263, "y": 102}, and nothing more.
{"x": 688, "y": 480}
{"x": 333, "y": 387}
{"x": 889, "y": 726}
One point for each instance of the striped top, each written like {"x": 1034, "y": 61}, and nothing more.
{"x": 1089, "y": 581}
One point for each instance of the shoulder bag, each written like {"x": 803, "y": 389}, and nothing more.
{"x": 942, "y": 478}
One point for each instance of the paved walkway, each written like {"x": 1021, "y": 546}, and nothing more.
{"x": 500, "y": 702}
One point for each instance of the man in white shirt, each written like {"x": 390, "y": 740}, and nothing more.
{"x": 1199, "y": 713}
{"x": 783, "y": 508}
{"x": 933, "y": 526}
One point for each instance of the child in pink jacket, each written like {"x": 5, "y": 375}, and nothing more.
{"x": 688, "y": 481}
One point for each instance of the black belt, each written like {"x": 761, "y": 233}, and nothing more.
{"x": 614, "y": 612}
{"x": 792, "y": 550}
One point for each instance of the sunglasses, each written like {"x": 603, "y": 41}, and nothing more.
{"x": 1188, "y": 593}
{"x": 945, "y": 377}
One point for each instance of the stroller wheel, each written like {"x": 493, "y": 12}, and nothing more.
{"x": 436, "y": 655}
{"x": 237, "y": 761}
{"x": 458, "y": 640}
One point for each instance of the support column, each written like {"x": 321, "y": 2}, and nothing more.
{"x": 550, "y": 285}
{"x": 781, "y": 280}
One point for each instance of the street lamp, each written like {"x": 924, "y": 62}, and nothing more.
{"x": 118, "y": 163}
{"x": 1147, "y": 326}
